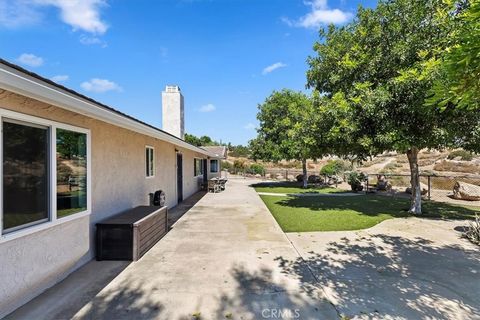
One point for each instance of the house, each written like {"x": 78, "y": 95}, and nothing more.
{"x": 69, "y": 162}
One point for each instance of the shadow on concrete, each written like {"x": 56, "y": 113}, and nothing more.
{"x": 178, "y": 211}
{"x": 392, "y": 277}
{"x": 257, "y": 295}
{"x": 66, "y": 298}
{"x": 130, "y": 301}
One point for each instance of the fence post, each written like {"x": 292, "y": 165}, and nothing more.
{"x": 429, "y": 186}
{"x": 366, "y": 190}
{"x": 286, "y": 175}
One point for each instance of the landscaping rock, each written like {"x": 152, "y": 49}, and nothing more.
{"x": 466, "y": 191}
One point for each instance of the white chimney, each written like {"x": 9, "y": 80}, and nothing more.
{"x": 172, "y": 112}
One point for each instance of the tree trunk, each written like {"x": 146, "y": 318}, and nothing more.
{"x": 304, "y": 168}
{"x": 416, "y": 197}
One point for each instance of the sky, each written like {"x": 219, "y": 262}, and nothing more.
{"x": 227, "y": 56}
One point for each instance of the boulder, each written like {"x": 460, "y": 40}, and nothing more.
{"x": 314, "y": 179}
{"x": 466, "y": 191}
{"x": 280, "y": 176}
{"x": 258, "y": 175}
{"x": 423, "y": 187}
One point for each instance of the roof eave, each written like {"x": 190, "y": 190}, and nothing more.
{"x": 18, "y": 82}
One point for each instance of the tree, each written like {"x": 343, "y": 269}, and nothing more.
{"x": 287, "y": 129}
{"x": 377, "y": 73}
{"x": 458, "y": 67}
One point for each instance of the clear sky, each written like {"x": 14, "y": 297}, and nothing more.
{"x": 226, "y": 55}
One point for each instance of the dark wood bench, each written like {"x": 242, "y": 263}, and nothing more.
{"x": 130, "y": 234}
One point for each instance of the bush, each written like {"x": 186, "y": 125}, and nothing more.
{"x": 256, "y": 168}
{"x": 334, "y": 167}
{"x": 239, "y": 164}
{"x": 227, "y": 166}
{"x": 314, "y": 179}
{"x": 299, "y": 178}
{"x": 464, "y": 155}
{"x": 355, "y": 180}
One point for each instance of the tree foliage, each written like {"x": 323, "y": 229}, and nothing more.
{"x": 458, "y": 67}
{"x": 288, "y": 129}
{"x": 377, "y": 72}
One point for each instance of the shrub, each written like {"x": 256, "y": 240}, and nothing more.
{"x": 464, "y": 155}
{"x": 355, "y": 180}
{"x": 334, "y": 167}
{"x": 299, "y": 178}
{"x": 227, "y": 166}
{"x": 257, "y": 168}
{"x": 239, "y": 164}
{"x": 314, "y": 179}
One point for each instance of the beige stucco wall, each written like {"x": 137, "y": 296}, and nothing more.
{"x": 32, "y": 263}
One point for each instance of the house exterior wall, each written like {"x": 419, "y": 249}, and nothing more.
{"x": 34, "y": 262}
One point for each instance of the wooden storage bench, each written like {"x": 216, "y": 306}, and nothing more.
{"x": 128, "y": 235}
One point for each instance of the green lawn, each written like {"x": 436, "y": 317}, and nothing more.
{"x": 292, "y": 188}
{"x": 324, "y": 213}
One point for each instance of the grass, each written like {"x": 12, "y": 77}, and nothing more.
{"x": 302, "y": 214}
{"x": 292, "y": 188}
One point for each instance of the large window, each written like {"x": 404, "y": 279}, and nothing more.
{"x": 45, "y": 171}
{"x": 71, "y": 172}
{"x": 214, "y": 166}
{"x": 25, "y": 175}
{"x": 198, "y": 167}
{"x": 149, "y": 162}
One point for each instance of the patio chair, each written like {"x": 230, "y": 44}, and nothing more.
{"x": 222, "y": 183}
{"x": 213, "y": 186}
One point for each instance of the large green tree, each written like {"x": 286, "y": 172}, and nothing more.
{"x": 288, "y": 129}
{"x": 377, "y": 71}
{"x": 458, "y": 67}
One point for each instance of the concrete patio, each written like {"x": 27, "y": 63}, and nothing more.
{"x": 226, "y": 258}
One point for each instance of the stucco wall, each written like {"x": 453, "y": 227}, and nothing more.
{"x": 32, "y": 263}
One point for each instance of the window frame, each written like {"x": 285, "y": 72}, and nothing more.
{"x": 52, "y": 167}
{"x": 216, "y": 160}
{"x": 152, "y": 174}
{"x": 195, "y": 167}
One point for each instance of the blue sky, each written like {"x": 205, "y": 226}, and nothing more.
{"x": 226, "y": 55}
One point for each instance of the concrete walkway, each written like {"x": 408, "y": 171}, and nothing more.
{"x": 221, "y": 260}
{"x": 407, "y": 268}
{"x": 226, "y": 258}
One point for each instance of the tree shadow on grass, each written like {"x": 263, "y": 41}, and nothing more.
{"x": 376, "y": 205}
{"x": 394, "y": 277}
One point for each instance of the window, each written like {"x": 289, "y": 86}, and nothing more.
{"x": 214, "y": 165}
{"x": 197, "y": 167}
{"x": 45, "y": 172}
{"x": 71, "y": 172}
{"x": 25, "y": 175}
{"x": 149, "y": 161}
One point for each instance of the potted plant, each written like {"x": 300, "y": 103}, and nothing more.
{"x": 355, "y": 180}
